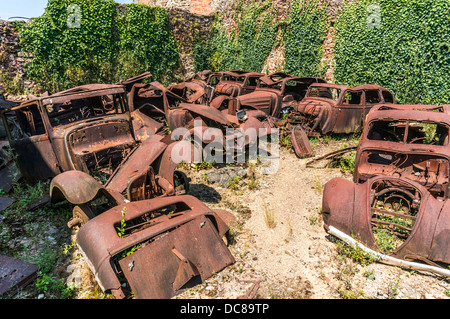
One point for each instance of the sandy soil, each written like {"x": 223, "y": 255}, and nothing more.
{"x": 281, "y": 248}
{"x": 280, "y": 242}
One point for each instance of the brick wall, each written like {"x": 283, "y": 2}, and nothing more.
{"x": 200, "y": 7}
{"x": 12, "y": 60}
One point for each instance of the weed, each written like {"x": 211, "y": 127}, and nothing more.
{"x": 67, "y": 248}
{"x": 57, "y": 287}
{"x": 393, "y": 289}
{"x": 290, "y": 231}
{"x": 385, "y": 240}
{"x": 356, "y": 254}
{"x": 269, "y": 217}
{"x": 46, "y": 259}
{"x": 317, "y": 184}
{"x": 123, "y": 224}
{"x": 370, "y": 274}
{"x": 253, "y": 184}
{"x": 233, "y": 183}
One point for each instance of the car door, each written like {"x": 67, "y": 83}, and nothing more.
{"x": 250, "y": 85}
{"x": 30, "y": 141}
{"x": 350, "y": 112}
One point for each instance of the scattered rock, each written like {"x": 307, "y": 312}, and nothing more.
{"x": 223, "y": 175}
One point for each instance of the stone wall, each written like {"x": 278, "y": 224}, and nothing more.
{"x": 200, "y": 7}
{"x": 191, "y": 20}
{"x": 328, "y": 58}
{"x": 12, "y": 60}
{"x": 188, "y": 28}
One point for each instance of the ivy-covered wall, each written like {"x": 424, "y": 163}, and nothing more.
{"x": 244, "y": 36}
{"x": 97, "y": 41}
{"x": 306, "y": 30}
{"x": 400, "y": 44}
{"x": 403, "y": 45}
{"x": 241, "y": 39}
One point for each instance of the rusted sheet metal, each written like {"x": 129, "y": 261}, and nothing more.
{"x": 5, "y": 202}
{"x": 173, "y": 239}
{"x": 136, "y": 79}
{"x": 155, "y": 99}
{"x": 137, "y": 163}
{"x": 144, "y": 126}
{"x": 193, "y": 92}
{"x": 147, "y": 172}
{"x": 193, "y": 250}
{"x": 90, "y": 129}
{"x": 275, "y": 90}
{"x": 236, "y": 83}
{"x": 410, "y": 141}
{"x": 9, "y": 171}
{"x": 72, "y": 129}
{"x": 75, "y": 186}
{"x": 253, "y": 124}
{"x": 266, "y": 101}
{"x": 333, "y": 108}
{"x": 15, "y": 274}
{"x": 418, "y": 223}
{"x": 207, "y": 112}
{"x": 300, "y": 142}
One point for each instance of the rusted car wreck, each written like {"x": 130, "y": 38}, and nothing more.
{"x": 155, "y": 248}
{"x": 333, "y": 108}
{"x": 88, "y": 135}
{"x": 107, "y": 159}
{"x": 181, "y": 106}
{"x": 398, "y": 202}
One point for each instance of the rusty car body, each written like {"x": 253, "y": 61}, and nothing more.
{"x": 409, "y": 141}
{"x": 179, "y": 108}
{"x": 155, "y": 248}
{"x": 398, "y": 202}
{"x": 206, "y": 77}
{"x": 55, "y": 133}
{"x": 86, "y": 138}
{"x": 158, "y": 102}
{"x": 333, "y": 108}
{"x": 392, "y": 215}
{"x": 236, "y": 83}
{"x": 274, "y": 91}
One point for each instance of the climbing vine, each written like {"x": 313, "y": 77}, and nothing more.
{"x": 241, "y": 40}
{"x": 400, "y": 44}
{"x": 305, "y": 33}
{"x": 97, "y": 41}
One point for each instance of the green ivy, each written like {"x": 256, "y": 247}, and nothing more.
{"x": 243, "y": 46}
{"x": 305, "y": 33}
{"x": 405, "y": 48}
{"x": 111, "y": 42}
{"x": 146, "y": 42}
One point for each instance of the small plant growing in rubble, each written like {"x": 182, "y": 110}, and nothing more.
{"x": 354, "y": 253}
{"x": 123, "y": 224}
{"x": 269, "y": 217}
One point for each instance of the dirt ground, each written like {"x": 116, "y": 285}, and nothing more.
{"x": 281, "y": 248}
{"x": 281, "y": 242}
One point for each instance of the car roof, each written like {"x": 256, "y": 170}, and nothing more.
{"x": 337, "y": 86}
{"x": 82, "y": 91}
{"x": 434, "y": 113}
{"x": 369, "y": 87}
